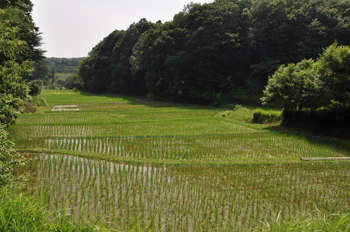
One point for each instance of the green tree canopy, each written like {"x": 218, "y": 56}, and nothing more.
{"x": 17, "y": 14}
{"x": 12, "y": 87}
{"x": 12, "y": 90}
{"x": 222, "y": 51}
{"x": 311, "y": 85}
{"x": 40, "y": 71}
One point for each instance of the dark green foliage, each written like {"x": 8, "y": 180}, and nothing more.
{"x": 262, "y": 116}
{"x": 322, "y": 88}
{"x": 333, "y": 123}
{"x": 40, "y": 71}
{"x": 333, "y": 68}
{"x": 9, "y": 158}
{"x": 51, "y": 86}
{"x": 311, "y": 85}
{"x": 74, "y": 82}
{"x": 294, "y": 87}
{"x": 289, "y": 31}
{"x": 13, "y": 90}
{"x": 34, "y": 89}
{"x": 214, "y": 53}
{"x": 198, "y": 57}
{"x": 63, "y": 65}
{"x": 121, "y": 78}
{"x": 18, "y": 14}
{"x": 96, "y": 70}
{"x": 39, "y": 82}
{"x": 38, "y": 101}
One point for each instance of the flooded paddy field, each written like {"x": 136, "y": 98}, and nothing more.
{"x": 178, "y": 167}
{"x": 189, "y": 198}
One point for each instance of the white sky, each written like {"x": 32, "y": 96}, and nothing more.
{"x": 71, "y": 28}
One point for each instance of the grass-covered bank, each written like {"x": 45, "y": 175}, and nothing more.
{"x": 176, "y": 167}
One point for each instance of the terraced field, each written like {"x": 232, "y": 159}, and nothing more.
{"x": 175, "y": 167}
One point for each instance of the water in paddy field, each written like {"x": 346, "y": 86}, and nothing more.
{"x": 179, "y": 198}
{"x": 65, "y": 108}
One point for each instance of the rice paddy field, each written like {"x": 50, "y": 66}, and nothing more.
{"x": 175, "y": 167}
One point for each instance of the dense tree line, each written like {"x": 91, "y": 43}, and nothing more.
{"x": 212, "y": 53}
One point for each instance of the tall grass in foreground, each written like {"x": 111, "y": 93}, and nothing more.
{"x": 307, "y": 222}
{"x": 21, "y": 213}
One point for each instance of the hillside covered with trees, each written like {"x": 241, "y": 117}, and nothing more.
{"x": 214, "y": 53}
{"x": 54, "y": 70}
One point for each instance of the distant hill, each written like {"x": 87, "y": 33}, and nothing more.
{"x": 64, "y": 65}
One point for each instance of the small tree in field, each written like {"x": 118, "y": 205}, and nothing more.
{"x": 293, "y": 87}
{"x": 309, "y": 84}
{"x": 334, "y": 69}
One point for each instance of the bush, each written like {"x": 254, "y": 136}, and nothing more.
{"x": 51, "y": 86}
{"x": 39, "y": 82}
{"x": 34, "y": 89}
{"x": 27, "y": 107}
{"x": 38, "y": 101}
{"x": 266, "y": 116}
{"x": 9, "y": 158}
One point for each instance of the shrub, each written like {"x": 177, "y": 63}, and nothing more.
{"x": 9, "y": 158}
{"x": 38, "y": 101}
{"x": 265, "y": 116}
{"x": 34, "y": 89}
{"x": 51, "y": 86}
{"x": 39, "y": 82}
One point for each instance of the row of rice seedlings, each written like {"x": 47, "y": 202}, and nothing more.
{"x": 128, "y": 114}
{"x": 64, "y": 118}
{"x": 165, "y": 114}
{"x": 166, "y": 127}
{"x": 177, "y": 198}
{"x": 225, "y": 147}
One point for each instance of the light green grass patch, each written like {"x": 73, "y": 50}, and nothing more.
{"x": 67, "y": 97}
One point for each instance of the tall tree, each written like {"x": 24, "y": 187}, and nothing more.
{"x": 18, "y": 14}
{"x": 12, "y": 90}
{"x": 40, "y": 71}
{"x": 284, "y": 31}
{"x": 96, "y": 69}
{"x": 123, "y": 81}
{"x": 12, "y": 87}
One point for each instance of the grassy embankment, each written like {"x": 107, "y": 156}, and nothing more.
{"x": 180, "y": 167}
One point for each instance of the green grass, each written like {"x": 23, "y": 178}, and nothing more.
{"x": 72, "y": 97}
{"x": 174, "y": 167}
{"x": 20, "y": 212}
{"x": 246, "y": 113}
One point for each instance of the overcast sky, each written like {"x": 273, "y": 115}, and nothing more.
{"x": 70, "y": 28}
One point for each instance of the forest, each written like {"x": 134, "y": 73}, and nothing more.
{"x": 54, "y": 70}
{"x": 215, "y": 53}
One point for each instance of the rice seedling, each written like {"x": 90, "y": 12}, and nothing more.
{"x": 216, "y": 197}
{"x": 170, "y": 167}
